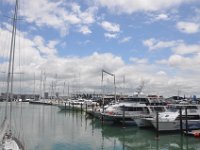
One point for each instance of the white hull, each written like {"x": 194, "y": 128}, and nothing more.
{"x": 143, "y": 122}
{"x": 118, "y": 118}
{"x": 12, "y": 144}
{"x": 96, "y": 114}
{"x": 63, "y": 107}
{"x": 175, "y": 125}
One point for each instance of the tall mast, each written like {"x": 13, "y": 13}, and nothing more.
{"x": 11, "y": 61}
{"x": 34, "y": 86}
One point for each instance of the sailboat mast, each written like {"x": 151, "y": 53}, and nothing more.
{"x": 11, "y": 60}
{"x": 34, "y": 86}
{"x": 13, "y": 57}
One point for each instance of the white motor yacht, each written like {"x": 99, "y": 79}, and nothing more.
{"x": 77, "y": 104}
{"x": 127, "y": 109}
{"x": 143, "y": 121}
{"x": 170, "y": 120}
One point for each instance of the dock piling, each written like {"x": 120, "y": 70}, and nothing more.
{"x": 181, "y": 121}
{"x": 123, "y": 117}
{"x": 86, "y": 108}
{"x": 157, "y": 125}
{"x": 186, "y": 121}
{"x": 102, "y": 117}
{"x": 81, "y": 108}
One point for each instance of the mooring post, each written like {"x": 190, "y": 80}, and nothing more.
{"x": 65, "y": 105}
{"x": 181, "y": 122}
{"x": 186, "y": 121}
{"x": 81, "y": 108}
{"x": 102, "y": 117}
{"x": 157, "y": 125}
{"x": 69, "y": 106}
{"x": 123, "y": 116}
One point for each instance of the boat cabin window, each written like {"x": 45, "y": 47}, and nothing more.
{"x": 192, "y": 107}
{"x": 172, "y": 108}
{"x": 80, "y": 100}
{"x": 146, "y": 110}
{"x": 189, "y": 117}
{"x": 125, "y": 108}
{"x": 137, "y": 99}
{"x": 159, "y": 109}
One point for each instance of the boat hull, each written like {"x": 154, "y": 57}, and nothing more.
{"x": 118, "y": 118}
{"x": 64, "y": 107}
{"x": 12, "y": 144}
{"x": 143, "y": 123}
{"x": 175, "y": 125}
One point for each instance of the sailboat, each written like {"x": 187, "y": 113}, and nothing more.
{"x": 7, "y": 140}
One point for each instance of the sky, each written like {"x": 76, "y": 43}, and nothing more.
{"x": 67, "y": 43}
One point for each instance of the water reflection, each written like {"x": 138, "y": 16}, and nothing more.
{"x": 48, "y": 128}
{"x": 133, "y": 138}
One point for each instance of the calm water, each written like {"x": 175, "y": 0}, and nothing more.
{"x": 47, "y": 128}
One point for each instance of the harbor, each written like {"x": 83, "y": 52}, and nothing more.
{"x": 99, "y": 75}
{"x": 45, "y": 127}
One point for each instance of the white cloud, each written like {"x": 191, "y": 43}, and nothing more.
{"x": 154, "y": 44}
{"x": 47, "y": 49}
{"x": 162, "y": 17}
{"x": 185, "y": 63}
{"x": 85, "y": 30}
{"x": 52, "y": 44}
{"x": 110, "y": 35}
{"x": 162, "y": 73}
{"x": 175, "y": 60}
{"x": 183, "y": 49}
{"x": 188, "y": 27}
{"x": 125, "y": 39}
{"x": 177, "y": 47}
{"x": 138, "y": 60}
{"x": 131, "y": 6}
{"x": 110, "y": 27}
{"x": 59, "y": 15}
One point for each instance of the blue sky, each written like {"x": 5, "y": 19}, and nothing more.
{"x": 154, "y": 41}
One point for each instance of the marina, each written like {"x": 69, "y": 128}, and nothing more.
{"x": 99, "y": 75}
{"x": 45, "y": 127}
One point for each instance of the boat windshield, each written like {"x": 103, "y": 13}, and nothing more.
{"x": 172, "y": 109}
{"x": 125, "y": 108}
{"x": 158, "y": 109}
